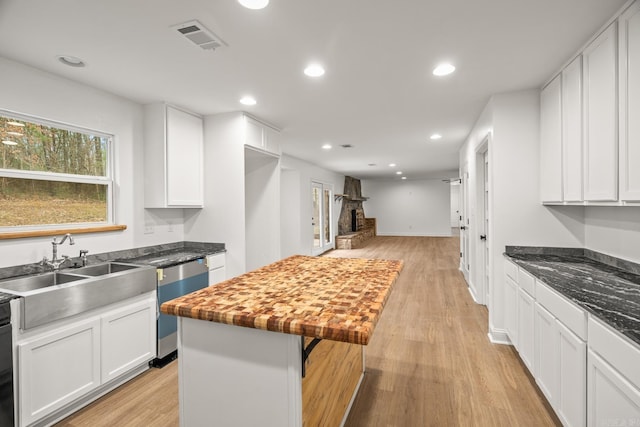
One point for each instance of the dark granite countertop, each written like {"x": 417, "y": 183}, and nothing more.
{"x": 606, "y": 287}
{"x": 169, "y": 258}
{"x": 6, "y": 297}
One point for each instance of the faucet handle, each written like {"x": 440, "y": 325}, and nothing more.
{"x": 84, "y": 252}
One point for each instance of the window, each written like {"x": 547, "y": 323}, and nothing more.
{"x": 53, "y": 175}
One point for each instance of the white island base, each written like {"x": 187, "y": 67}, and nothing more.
{"x": 237, "y": 376}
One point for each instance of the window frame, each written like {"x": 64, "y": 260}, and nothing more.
{"x": 108, "y": 180}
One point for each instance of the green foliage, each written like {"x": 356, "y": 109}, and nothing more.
{"x": 48, "y": 149}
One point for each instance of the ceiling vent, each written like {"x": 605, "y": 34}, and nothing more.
{"x": 199, "y": 35}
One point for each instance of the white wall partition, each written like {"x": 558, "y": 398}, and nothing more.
{"x": 409, "y": 207}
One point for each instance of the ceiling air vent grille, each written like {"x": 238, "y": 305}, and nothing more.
{"x": 199, "y": 35}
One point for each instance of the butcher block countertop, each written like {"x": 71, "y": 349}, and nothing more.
{"x": 338, "y": 299}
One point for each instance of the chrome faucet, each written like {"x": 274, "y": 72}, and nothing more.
{"x": 56, "y": 262}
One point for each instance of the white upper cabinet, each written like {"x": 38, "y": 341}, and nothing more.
{"x": 572, "y": 131}
{"x": 629, "y": 80}
{"x": 173, "y": 158}
{"x": 601, "y": 118}
{"x": 261, "y": 136}
{"x": 551, "y": 142}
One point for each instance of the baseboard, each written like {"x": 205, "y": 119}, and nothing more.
{"x": 499, "y": 336}
{"x": 473, "y": 295}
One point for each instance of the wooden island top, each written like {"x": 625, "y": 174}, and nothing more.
{"x": 337, "y": 299}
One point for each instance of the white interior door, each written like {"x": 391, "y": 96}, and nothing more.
{"x": 464, "y": 224}
{"x": 484, "y": 237}
{"x": 322, "y": 227}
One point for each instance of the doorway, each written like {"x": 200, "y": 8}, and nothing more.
{"x": 322, "y": 212}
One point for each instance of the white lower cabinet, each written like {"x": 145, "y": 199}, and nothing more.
{"x": 613, "y": 400}
{"x": 61, "y": 363}
{"x": 571, "y": 400}
{"x": 511, "y": 310}
{"x": 546, "y": 345}
{"x": 217, "y": 270}
{"x": 613, "y": 378}
{"x": 57, "y": 368}
{"x": 128, "y": 339}
{"x": 525, "y": 328}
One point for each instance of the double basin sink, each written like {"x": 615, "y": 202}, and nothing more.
{"x": 52, "y": 296}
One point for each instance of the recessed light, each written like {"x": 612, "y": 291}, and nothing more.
{"x": 16, "y": 124}
{"x": 404, "y": 177}
{"x": 399, "y": 173}
{"x": 443, "y": 69}
{"x": 7, "y": 142}
{"x": 314, "y": 70}
{"x": 71, "y": 61}
{"x": 14, "y": 133}
{"x": 326, "y": 147}
{"x": 435, "y": 136}
{"x": 392, "y": 165}
{"x": 254, "y": 4}
{"x": 248, "y": 100}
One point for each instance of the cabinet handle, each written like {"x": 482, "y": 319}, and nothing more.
{"x": 483, "y": 237}
{"x": 463, "y": 228}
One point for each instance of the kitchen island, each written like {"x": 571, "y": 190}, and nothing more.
{"x": 242, "y": 342}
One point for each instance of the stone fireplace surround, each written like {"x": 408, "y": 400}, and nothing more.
{"x": 353, "y": 227}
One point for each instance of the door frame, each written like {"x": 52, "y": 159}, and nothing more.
{"x": 483, "y": 223}
{"x": 465, "y": 262}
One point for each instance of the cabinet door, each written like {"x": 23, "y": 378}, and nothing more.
{"x": 546, "y": 345}
{"x": 184, "y": 159}
{"x": 601, "y": 118}
{"x": 271, "y": 140}
{"x": 572, "y": 131}
{"x": 571, "y": 401}
{"x": 551, "y": 142}
{"x": 612, "y": 400}
{"x": 253, "y": 133}
{"x": 55, "y": 369}
{"x": 629, "y": 69}
{"x": 511, "y": 309}
{"x": 525, "y": 329}
{"x": 217, "y": 275}
{"x": 128, "y": 338}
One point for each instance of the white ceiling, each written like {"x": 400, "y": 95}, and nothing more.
{"x": 378, "y": 93}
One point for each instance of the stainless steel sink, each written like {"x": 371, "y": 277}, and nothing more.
{"x": 102, "y": 269}
{"x": 52, "y": 296}
{"x": 40, "y": 281}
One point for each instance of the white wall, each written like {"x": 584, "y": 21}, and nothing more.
{"x": 297, "y": 235}
{"x": 614, "y": 231}
{"x": 223, "y": 217}
{"x": 33, "y": 92}
{"x": 410, "y": 207}
{"x": 518, "y": 217}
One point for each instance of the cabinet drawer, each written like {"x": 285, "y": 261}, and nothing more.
{"x": 615, "y": 349}
{"x": 215, "y": 261}
{"x": 527, "y": 282}
{"x": 572, "y": 316}
{"x": 511, "y": 270}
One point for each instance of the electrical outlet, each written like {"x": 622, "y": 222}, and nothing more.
{"x": 170, "y": 227}
{"x": 149, "y": 229}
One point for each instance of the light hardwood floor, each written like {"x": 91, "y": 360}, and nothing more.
{"x": 429, "y": 362}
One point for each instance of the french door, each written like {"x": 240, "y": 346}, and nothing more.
{"x": 321, "y": 196}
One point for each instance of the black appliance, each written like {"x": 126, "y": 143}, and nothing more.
{"x": 6, "y": 363}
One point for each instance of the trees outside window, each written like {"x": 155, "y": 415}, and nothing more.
{"x": 52, "y": 174}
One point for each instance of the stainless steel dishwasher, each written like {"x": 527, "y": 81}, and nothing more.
{"x": 174, "y": 282}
